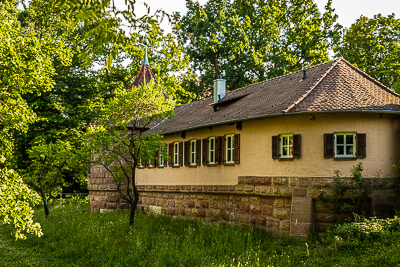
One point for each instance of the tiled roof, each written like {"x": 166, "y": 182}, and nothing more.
{"x": 145, "y": 74}
{"x": 329, "y": 87}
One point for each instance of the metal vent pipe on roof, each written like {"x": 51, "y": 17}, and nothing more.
{"x": 219, "y": 89}
{"x": 304, "y": 74}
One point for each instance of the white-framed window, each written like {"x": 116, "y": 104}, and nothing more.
{"x": 229, "y": 148}
{"x": 286, "y": 146}
{"x": 345, "y": 145}
{"x": 176, "y": 154}
{"x": 192, "y": 152}
{"x": 160, "y": 159}
{"x": 151, "y": 163}
{"x": 141, "y": 163}
{"x": 211, "y": 150}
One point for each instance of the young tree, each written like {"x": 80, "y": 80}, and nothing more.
{"x": 373, "y": 45}
{"x": 120, "y": 141}
{"x": 51, "y": 162}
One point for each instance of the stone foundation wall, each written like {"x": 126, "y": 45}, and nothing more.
{"x": 282, "y": 205}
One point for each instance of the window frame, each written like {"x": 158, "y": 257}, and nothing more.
{"x": 175, "y": 159}
{"x": 231, "y": 149}
{"x": 211, "y": 151}
{"x": 160, "y": 159}
{"x": 192, "y": 152}
{"x": 354, "y": 145}
{"x": 290, "y": 147}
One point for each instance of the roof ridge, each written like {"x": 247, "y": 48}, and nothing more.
{"x": 313, "y": 87}
{"x": 371, "y": 78}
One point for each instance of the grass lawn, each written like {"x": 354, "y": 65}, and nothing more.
{"x": 75, "y": 237}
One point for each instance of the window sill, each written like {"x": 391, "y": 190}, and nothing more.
{"x": 192, "y": 166}
{"x": 175, "y": 166}
{"x": 230, "y": 164}
{"x": 160, "y": 167}
{"x": 345, "y": 159}
{"x": 212, "y": 165}
{"x": 286, "y": 159}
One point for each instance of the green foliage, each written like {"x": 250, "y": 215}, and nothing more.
{"x": 49, "y": 164}
{"x": 361, "y": 232}
{"x": 349, "y": 195}
{"x": 105, "y": 240}
{"x": 15, "y": 209}
{"x": 250, "y": 41}
{"x": 119, "y": 141}
{"x": 372, "y": 45}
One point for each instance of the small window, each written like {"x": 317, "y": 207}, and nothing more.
{"x": 192, "y": 152}
{"x": 151, "y": 165}
{"x": 160, "y": 159}
{"x": 345, "y": 145}
{"x": 176, "y": 154}
{"x": 286, "y": 146}
{"x": 229, "y": 148}
{"x": 211, "y": 150}
{"x": 141, "y": 163}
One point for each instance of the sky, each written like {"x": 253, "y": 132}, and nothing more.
{"x": 348, "y": 10}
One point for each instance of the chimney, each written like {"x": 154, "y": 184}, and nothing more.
{"x": 219, "y": 89}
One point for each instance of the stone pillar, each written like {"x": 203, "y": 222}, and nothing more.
{"x": 302, "y": 217}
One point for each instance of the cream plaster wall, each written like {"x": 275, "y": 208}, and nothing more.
{"x": 383, "y": 149}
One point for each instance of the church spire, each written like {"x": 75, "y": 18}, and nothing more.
{"x": 145, "y": 73}
{"x": 145, "y": 60}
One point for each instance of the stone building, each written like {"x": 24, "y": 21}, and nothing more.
{"x": 255, "y": 155}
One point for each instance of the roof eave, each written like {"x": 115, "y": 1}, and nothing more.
{"x": 283, "y": 114}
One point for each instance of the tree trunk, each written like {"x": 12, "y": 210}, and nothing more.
{"x": 44, "y": 199}
{"x": 133, "y": 205}
{"x": 216, "y": 68}
{"x": 46, "y": 207}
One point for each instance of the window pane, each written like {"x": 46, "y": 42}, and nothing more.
{"x": 284, "y": 140}
{"x": 339, "y": 150}
{"x": 340, "y": 139}
{"x": 291, "y": 140}
{"x": 212, "y": 157}
{"x": 229, "y": 156}
{"x": 284, "y": 151}
{"x": 229, "y": 142}
{"x": 349, "y": 150}
{"x": 211, "y": 144}
{"x": 349, "y": 139}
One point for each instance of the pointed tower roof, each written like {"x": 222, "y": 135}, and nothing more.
{"x": 145, "y": 73}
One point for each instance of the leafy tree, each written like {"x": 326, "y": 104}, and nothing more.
{"x": 250, "y": 41}
{"x": 120, "y": 141}
{"x": 25, "y": 67}
{"x": 50, "y": 164}
{"x": 373, "y": 45}
{"x": 15, "y": 209}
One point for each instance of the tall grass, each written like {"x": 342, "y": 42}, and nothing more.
{"x": 75, "y": 237}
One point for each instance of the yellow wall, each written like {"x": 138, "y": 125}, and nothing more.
{"x": 383, "y": 150}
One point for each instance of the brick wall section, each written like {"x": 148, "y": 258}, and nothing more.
{"x": 284, "y": 205}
